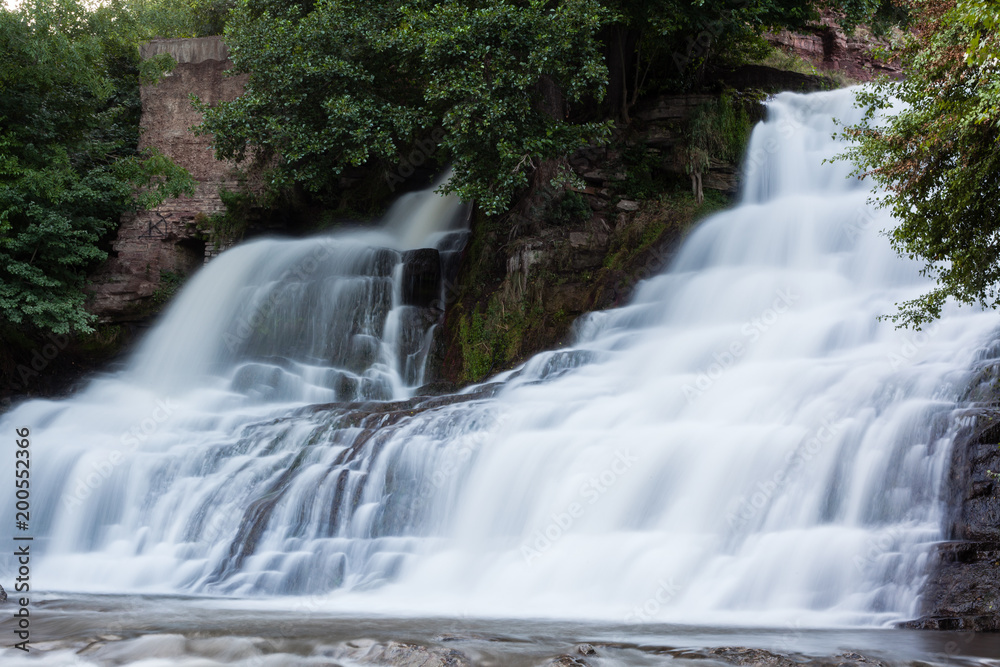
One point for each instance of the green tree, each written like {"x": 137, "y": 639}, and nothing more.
{"x": 337, "y": 84}
{"x": 931, "y": 143}
{"x": 340, "y": 83}
{"x": 69, "y": 166}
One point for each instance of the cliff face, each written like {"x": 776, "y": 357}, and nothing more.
{"x": 166, "y": 240}
{"x": 830, "y": 49}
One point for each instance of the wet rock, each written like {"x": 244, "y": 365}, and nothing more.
{"x": 437, "y": 388}
{"x": 400, "y": 654}
{"x": 565, "y": 661}
{"x": 752, "y": 656}
{"x": 961, "y": 592}
{"x": 586, "y": 649}
{"x": 421, "y": 280}
{"x": 757, "y": 657}
{"x": 3, "y": 595}
{"x": 628, "y": 205}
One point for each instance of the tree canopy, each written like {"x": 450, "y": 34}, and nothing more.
{"x": 338, "y": 83}
{"x": 69, "y": 166}
{"x": 936, "y": 154}
{"x": 335, "y": 84}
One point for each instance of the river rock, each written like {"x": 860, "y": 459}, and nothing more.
{"x": 400, "y": 654}
{"x": 565, "y": 661}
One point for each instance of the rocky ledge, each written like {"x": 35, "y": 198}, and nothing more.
{"x": 961, "y": 592}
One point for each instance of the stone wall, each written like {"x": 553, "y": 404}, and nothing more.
{"x": 166, "y": 239}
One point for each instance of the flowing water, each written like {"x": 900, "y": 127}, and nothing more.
{"x": 745, "y": 444}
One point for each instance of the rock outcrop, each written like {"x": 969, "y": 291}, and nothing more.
{"x": 587, "y": 231}
{"x": 961, "y": 592}
{"x": 830, "y": 49}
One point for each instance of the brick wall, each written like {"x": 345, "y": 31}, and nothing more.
{"x": 166, "y": 239}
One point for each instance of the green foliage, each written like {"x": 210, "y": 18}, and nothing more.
{"x": 152, "y": 69}
{"x": 492, "y": 340}
{"x": 571, "y": 207}
{"x": 170, "y": 284}
{"x": 68, "y": 161}
{"x": 141, "y": 20}
{"x": 937, "y": 160}
{"x": 336, "y": 85}
{"x": 670, "y": 45}
{"x": 643, "y": 177}
{"x": 340, "y": 84}
{"x": 229, "y": 225}
{"x": 719, "y": 130}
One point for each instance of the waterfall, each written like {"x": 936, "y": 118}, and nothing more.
{"x": 744, "y": 443}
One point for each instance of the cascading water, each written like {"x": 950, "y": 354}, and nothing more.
{"x": 744, "y": 443}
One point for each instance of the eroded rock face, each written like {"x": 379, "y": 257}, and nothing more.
{"x": 830, "y": 49}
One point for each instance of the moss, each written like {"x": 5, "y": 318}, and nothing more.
{"x": 170, "y": 284}
{"x": 106, "y": 340}
{"x": 494, "y": 339}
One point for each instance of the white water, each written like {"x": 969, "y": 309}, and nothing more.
{"x": 745, "y": 443}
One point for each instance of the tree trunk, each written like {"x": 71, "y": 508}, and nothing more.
{"x": 699, "y": 194}
{"x": 620, "y": 44}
